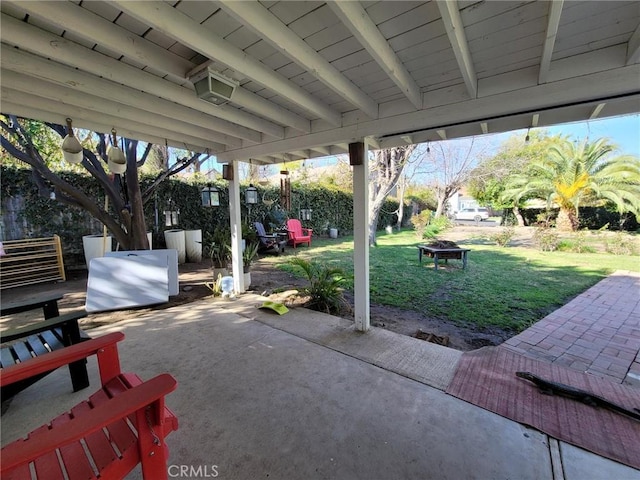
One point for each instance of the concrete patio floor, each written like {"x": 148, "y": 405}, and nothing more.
{"x": 304, "y": 396}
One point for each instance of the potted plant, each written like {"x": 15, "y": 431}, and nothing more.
{"x": 218, "y": 249}
{"x": 249, "y": 255}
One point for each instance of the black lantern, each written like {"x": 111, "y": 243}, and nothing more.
{"x": 305, "y": 214}
{"x": 171, "y": 214}
{"x": 251, "y": 195}
{"x": 210, "y": 196}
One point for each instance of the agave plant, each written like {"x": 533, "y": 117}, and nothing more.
{"x": 325, "y": 285}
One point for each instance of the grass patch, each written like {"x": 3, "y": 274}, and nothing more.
{"x": 510, "y": 288}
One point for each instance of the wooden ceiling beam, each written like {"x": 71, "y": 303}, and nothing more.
{"x": 47, "y": 45}
{"x": 450, "y": 14}
{"x": 553, "y": 21}
{"x": 172, "y": 22}
{"x": 362, "y": 27}
{"x": 272, "y": 30}
{"x": 32, "y": 65}
{"x": 633, "y": 47}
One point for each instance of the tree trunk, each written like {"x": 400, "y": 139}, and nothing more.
{"x": 402, "y": 186}
{"x": 138, "y": 229}
{"x": 518, "y": 215}
{"x": 567, "y": 220}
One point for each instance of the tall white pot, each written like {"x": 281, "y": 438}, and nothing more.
{"x": 193, "y": 242}
{"x": 175, "y": 239}
{"x": 95, "y": 246}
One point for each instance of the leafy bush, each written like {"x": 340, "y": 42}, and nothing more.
{"x": 420, "y": 222}
{"x": 436, "y": 226}
{"x": 503, "y": 238}
{"x": 546, "y": 239}
{"x": 325, "y": 285}
{"x": 621, "y": 244}
{"x": 578, "y": 244}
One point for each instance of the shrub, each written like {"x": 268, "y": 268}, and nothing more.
{"x": 436, "y": 226}
{"x": 578, "y": 244}
{"x": 546, "y": 239}
{"x": 325, "y": 285}
{"x": 503, "y": 238}
{"x": 420, "y": 222}
{"x": 621, "y": 244}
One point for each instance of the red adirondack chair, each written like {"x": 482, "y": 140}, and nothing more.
{"x": 100, "y": 422}
{"x": 298, "y": 234}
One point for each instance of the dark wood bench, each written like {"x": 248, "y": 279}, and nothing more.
{"x": 443, "y": 254}
{"x": 124, "y": 423}
{"x": 31, "y": 341}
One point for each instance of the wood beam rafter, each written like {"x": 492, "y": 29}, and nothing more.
{"x": 272, "y": 30}
{"x": 107, "y": 34}
{"x": 362, "y": 27}
{"x": 51, "y": 46}
{"x": 67, "y": 96}
{"x": 172, "y": 22}
{"x": 596, "y": 111}
{"x": 553, "y": 21}
{"x": 633, "y": 47}
{"x": 455, "y": 31}
{"x": 35, "y": 66}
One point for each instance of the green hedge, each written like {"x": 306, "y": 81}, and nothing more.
{"x": 592, "y": 218}
{"x": 42, "y": 217}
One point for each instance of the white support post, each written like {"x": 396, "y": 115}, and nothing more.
{"x": 235, "y": 224}
{"x": 361, "y": 235}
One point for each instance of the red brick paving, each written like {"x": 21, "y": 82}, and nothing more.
{"x": 597, "y": 332}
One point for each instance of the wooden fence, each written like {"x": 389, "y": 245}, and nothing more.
{"x": 29, "y": 261}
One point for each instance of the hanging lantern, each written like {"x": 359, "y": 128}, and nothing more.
{"x": 305, "y": 214}
{"x": 251, "y": 195}
{"x": 71, "y": 147}
{"x": 115, "y": 156}
{"x": 171, "y": 214}
{"x": 210, "y": 196}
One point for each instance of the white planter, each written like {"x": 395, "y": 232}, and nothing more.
{"x": 175, "y": 239}
{"x": 95, "y": 246}
{"x": 150, "y": 238}
{"x": 247, "y": 280}
{"x": 193, "y": 245}
{"x": 333, "y": 232}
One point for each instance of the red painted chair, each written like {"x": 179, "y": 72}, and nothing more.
{"x": 298, "y": 234}
{"x": 95, "y": 439}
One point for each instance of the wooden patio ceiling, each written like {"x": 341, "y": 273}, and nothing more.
{"x": 314, "y": 76}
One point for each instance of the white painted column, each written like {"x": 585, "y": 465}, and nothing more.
{"x": 235, "y": 224}
{"x": 361, "y": 238}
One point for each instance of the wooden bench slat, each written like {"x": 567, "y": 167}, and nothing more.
{"x": 36, "y": 344}
{"x": 22, "y": 472}
{"x": 54, "y": 342}
{"x": 47, "y": 466}
{"x": 73, "y": 455}
{"x": 6, "y": 357}
{"x": 22, "y": 352}
{"x": 99, "y": 446}
{"x": 119, "y": 432}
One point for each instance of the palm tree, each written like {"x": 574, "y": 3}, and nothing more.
{"x": 577, "y": 174}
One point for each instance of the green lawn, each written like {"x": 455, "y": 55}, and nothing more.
{"x": 508, "y": 287}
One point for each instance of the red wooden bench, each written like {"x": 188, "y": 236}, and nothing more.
{"x": 95, "y": 439}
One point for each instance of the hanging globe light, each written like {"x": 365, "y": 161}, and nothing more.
{"x": 115, "y": 156}
{"x": 71, "y": 147}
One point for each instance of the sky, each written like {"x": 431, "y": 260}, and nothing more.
{"x": 623, "y": 131}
